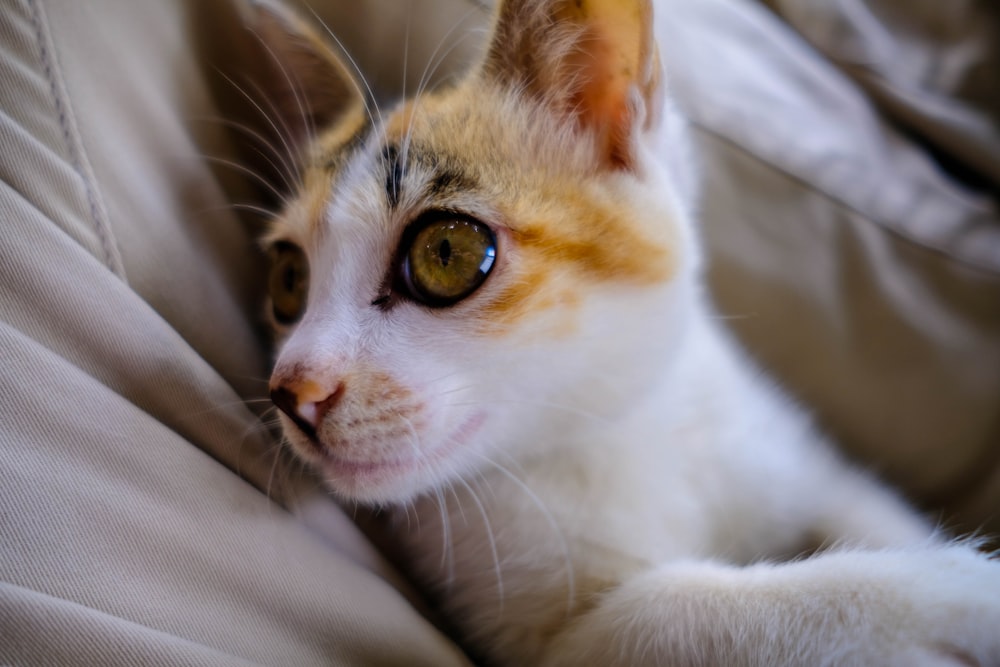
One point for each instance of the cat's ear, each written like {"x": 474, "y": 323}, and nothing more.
{"x": 594, "y": 62}
{"x": 306, "y": 84}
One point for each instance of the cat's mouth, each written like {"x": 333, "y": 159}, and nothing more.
{"x": 361, "y": 477}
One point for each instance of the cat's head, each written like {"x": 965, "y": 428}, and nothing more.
{"x": 487, "y": 271}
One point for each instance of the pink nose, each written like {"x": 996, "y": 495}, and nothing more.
{"x": 305, "y": 402}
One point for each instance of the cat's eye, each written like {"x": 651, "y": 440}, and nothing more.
{"x": 288, "y": 282}
{"x": 446, "y": 259}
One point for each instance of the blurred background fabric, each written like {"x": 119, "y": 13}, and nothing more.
{"x": 850, "y": 153}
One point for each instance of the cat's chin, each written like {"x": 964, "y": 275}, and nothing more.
{"x": 385, "y": 480}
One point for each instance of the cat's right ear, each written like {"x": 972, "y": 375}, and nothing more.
{"x": 307, "y": 86}
{"x": 594, "y": 63}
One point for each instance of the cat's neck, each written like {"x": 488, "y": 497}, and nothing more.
{"x": 705, "y": 374}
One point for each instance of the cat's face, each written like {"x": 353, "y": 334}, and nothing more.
{"x": 487, "y": 277}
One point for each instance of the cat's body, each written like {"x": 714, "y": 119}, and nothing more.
{"x": 507, "y": 344}
{"x": 531, "y": 544}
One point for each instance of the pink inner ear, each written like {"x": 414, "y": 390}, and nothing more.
{"x": 593, "y": 62}
{"x": 602, "y": 102}
{"x": 617, "y": 56}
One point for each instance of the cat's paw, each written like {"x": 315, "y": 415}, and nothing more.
{"x": 934, "y": 607}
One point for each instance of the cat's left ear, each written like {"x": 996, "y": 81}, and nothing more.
{"x": 594, "y": 62}
{"x": 307, "y": 84}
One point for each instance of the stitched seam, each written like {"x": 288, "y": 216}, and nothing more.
{"x": 77, "y": 157}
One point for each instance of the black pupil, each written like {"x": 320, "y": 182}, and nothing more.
{"x": 444, "y": 252}
{"x": 289, "y": 277}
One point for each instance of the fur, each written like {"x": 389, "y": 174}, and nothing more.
{"x": 585, "y": 468}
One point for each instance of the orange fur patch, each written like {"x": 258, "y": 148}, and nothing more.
{"x": 588, "y": 244}
{"x": 381, "y": 388}
{"x": 333, "y": 139}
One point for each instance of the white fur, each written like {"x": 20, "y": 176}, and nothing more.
{"x": 630, "y": 495}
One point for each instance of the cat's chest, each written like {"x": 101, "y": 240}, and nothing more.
{"x": 514, "y": 551}
{"x": 688, "y": 473}
{"x": 609, "y": 508}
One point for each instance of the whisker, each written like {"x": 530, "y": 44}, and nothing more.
{"x": 370, "y": 96}
{"x": 454, "y": 390}
{"x": 285, "y": 141}
{"x": 438, "y": 57}
{"x": 269, "y": 487}
{"x": 258, "y": 432}
{"x": 447, "y": 564}
{"x": 288, "y": 138}
{"x": 481, "y": 480}
{"x": 248, "y": 172}
{"x": 282, "y": 168}
{"x": 547, "y": 515}
{"x": 604, "y": 421}
{"x": 418, "y": 453}
{"x": 406, "y": 59}
{"x": 406, "y": 45}
{"x": 458, "y": 504}
{"x": 296, "y": 88}
{"x": 242, "y": 206}
{"x": 491, "y": 539}
{"x": 416, "y": 514}
{"x": 228, "y": 404}
{"x": 367, "y": 95}
{"x": 433, "y": 63}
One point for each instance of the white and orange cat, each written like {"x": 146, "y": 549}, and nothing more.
{"x": 493, "y": 324}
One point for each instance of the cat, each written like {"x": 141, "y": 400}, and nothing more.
{"x": 492, "y": 324}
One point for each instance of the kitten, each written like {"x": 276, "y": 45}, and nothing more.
{"x": 493, "y": 325}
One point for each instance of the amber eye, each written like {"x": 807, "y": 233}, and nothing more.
{"x": 288, "y": 282}
{"x": 446, "y": 260}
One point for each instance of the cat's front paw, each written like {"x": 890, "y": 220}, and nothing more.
{"x": 936, "y": 606}
{"x": 932, "y": 607}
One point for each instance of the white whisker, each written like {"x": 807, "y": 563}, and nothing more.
{"x": 432, "y": 65}
{"x": 293, "y": 145}
{"x": 370, "y": 96}
{"x": 243, "y": 169}
{"x": 282, "y": 167}
{"x": 415, "y": 444}
{"x": 438, "y": 57}
{"x": 540, "y": 404}
{"x": 458, "y": 504}
{"x": 285, "y": 141}
{"x": 547, "y": 515}
{"x": 296, "y": 88}
{"x": 491, "y": 538}
{"x": 241, "y": 206}
{"x": 447, "y": 564}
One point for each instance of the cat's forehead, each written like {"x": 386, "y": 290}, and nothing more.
{"x": 496, "y": 159}
{"x": 473, "y": 143}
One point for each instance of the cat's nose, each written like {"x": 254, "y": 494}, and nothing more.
{"x": 306, "y": 403}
